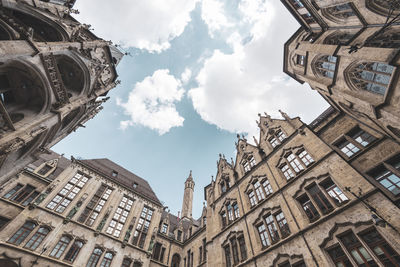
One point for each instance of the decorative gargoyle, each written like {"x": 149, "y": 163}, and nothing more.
{"x": 42, "y": 196}
{"x": 103, "y": 222}
{"x": 75, "y": 209}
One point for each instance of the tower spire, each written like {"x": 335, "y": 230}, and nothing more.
{"x": 188, "y": 197}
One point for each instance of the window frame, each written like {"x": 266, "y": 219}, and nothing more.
{"x": 293, "y": 167}
{"x": 351, "y": 142}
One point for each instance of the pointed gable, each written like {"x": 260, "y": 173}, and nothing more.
{"x": 247, "y": 156}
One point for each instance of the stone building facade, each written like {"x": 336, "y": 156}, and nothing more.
{"x": 54, "y": 76}
{"x": 348, "y": 50}
{"x": 322, "y": 194}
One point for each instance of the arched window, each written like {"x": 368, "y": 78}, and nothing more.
{"x": 42, "y": 31}
{"x": 382, "y": 7}
{"x": 338, "y": 38}
{"x": 22, "y": 233}
{"x": 22, "y": 94}
{"x": 294, "y": 162}
{"x": 388, "y": 39}
{"x": 126, "y": 262}
{"x": 62, "y": 244}
{"x": 37, "y": 238}
{"x": 107, "y": 260}
{"x": 339, "y": 13}
{"x": 71, "y": 74}
{"x": 325, "y": 66}
{"x": 176, "y": 260}
{"x": 370, "y": 76}
{"x": 95, "y": 257}
{"x": 73, "y": 251}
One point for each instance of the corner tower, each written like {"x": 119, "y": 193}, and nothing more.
{"x": 188, "y": 197}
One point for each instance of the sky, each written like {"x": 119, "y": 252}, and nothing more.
{"x": 198, "y": 73}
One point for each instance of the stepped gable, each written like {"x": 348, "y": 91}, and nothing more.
{"x": 106, "y": 167}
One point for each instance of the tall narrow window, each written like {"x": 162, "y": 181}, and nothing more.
{"x": 282, "y": 224}
{"x": 73, "y": 251}
{"x": 61, "y": 201}
{"x": 272, "y": 229}
{"x": 287, "y": 172}
{"x": 348, "y": 148}
{"x": 95, "y": 205}
{"x": 308, "y": 18}
{"x": 300, "y": 60}
{"x": 388, "y": 39}
{"x": 108, "y": 257}
{"x": 252, "y": 197}
{"x": 357, "y": 251}
{"x": 297, "y": 3}
{"x": 259, "y": 191}
{"x": 37, "y": 238}
{"x": 236, "y": 210}
{"x": 273, "y": 141}
{"x": 361, "y": 137}
{"x": 267, "y": 187}
{"x": 309, "y": 208}
{"x": 142, "y": 227}
{"x": 295, "y": 163}
{"x": 386, "y": 254}
{"x": 94, "y": 257}
{"x": 59, "y": 249}
{"x": 263, "y": 235}
{"x": 242, "y": 246}
{"x": 235, "y": 252}
{"x": 164, "y": 228}
{"x": 223, "y": 219}
{"x": 320, "y": 199}
{"x": 338, "y": 257}
{"x": 120, "y": 215}
{"x": 228, "y": 262}
{"x": 371, "y": 76}
{"x": 325, "y": 66}
{"x": 22, "y": 233}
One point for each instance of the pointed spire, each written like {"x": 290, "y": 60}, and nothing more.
{"x": 285, "y": 115}
{"x": 238, "y": 136}
{"x": 232, "y": 162}
{"x": 190, "y": 178}
{"x": 255, "y": 140}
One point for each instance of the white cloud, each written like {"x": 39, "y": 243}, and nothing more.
{"x": 233, "y": 88}
{"x": 148, "y": 24}
{"x": 152, "y": 101}
{"x": 214, "y": 16}
{"x": 186, "y": 76}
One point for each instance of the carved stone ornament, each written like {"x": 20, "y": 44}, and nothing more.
{"x": 12, "y": 145}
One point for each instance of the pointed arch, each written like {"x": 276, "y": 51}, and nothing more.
{"x": 324, "y": 66}
{"x": 374, "y": 77}
{"x": 382, "y": 7}
{"x": 339, "y": 38}
{"x": 339, "y": 13}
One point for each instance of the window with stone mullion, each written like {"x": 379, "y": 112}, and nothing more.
{"x": 308, "y": 208}
{"x": 22, "y": 233}
{"x": 287, "y": 171}
{"x": 95, "y": 205}
{"x": 106, "y": 262}
{"x": 388, "y": 176}
{"x": 242, "y": 247}
{"x": 252, "y": 198}
{"x": 73, "y": 251}
{"x": 294, "y": 163}
{"x": 386, "y": 254}
{"x": 235, "y": 252}
{"x": 61, "y": 201}
{"x": 94, "y": 257}
{"x": 272, "y": 229}
{"x": 228, "y": 262}
{"x": 282, "y": 224}
{"x": 267, "y": 187}
{"x": 358, "y": 252}
{"x": 259, "y": 191}
{"x": 120, "y": 216}
{"x": 60, "y": 247}
{"x": 142, "y": 227}
{"x": 37, "y": 238}
{"x": 334, "y": 191}
{"x": 264, "y": 237}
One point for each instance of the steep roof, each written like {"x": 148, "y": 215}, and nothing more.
{"x": 121, "y": 175}
{"x": 63, "y": 163}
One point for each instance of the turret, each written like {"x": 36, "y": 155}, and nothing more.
{"x": 188, "y": 197}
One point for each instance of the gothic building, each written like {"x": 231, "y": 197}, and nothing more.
{"x": 322, "y": 194}
{"x": 54, "y": 76}
{"x": 348, "y": 50}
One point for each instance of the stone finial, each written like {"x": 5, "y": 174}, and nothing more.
{"x": 232, "y": 162}
{"x": 255, "y": 140}
{"x": 284, "y": 115}
{"x": 238, "y": 136}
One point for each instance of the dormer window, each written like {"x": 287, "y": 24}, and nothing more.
{"x": 164, "y": 228}
{"x": 297, "y": 4}
{"x": 224, "y": 184}
{"x": 179, "y": 235}
{"x": 45, "y": 170}
{"x": 135, "y": 185}
{"x": 114, "y": 174}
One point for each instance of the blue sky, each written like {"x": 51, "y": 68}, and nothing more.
{"x": 199, "y": 73}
